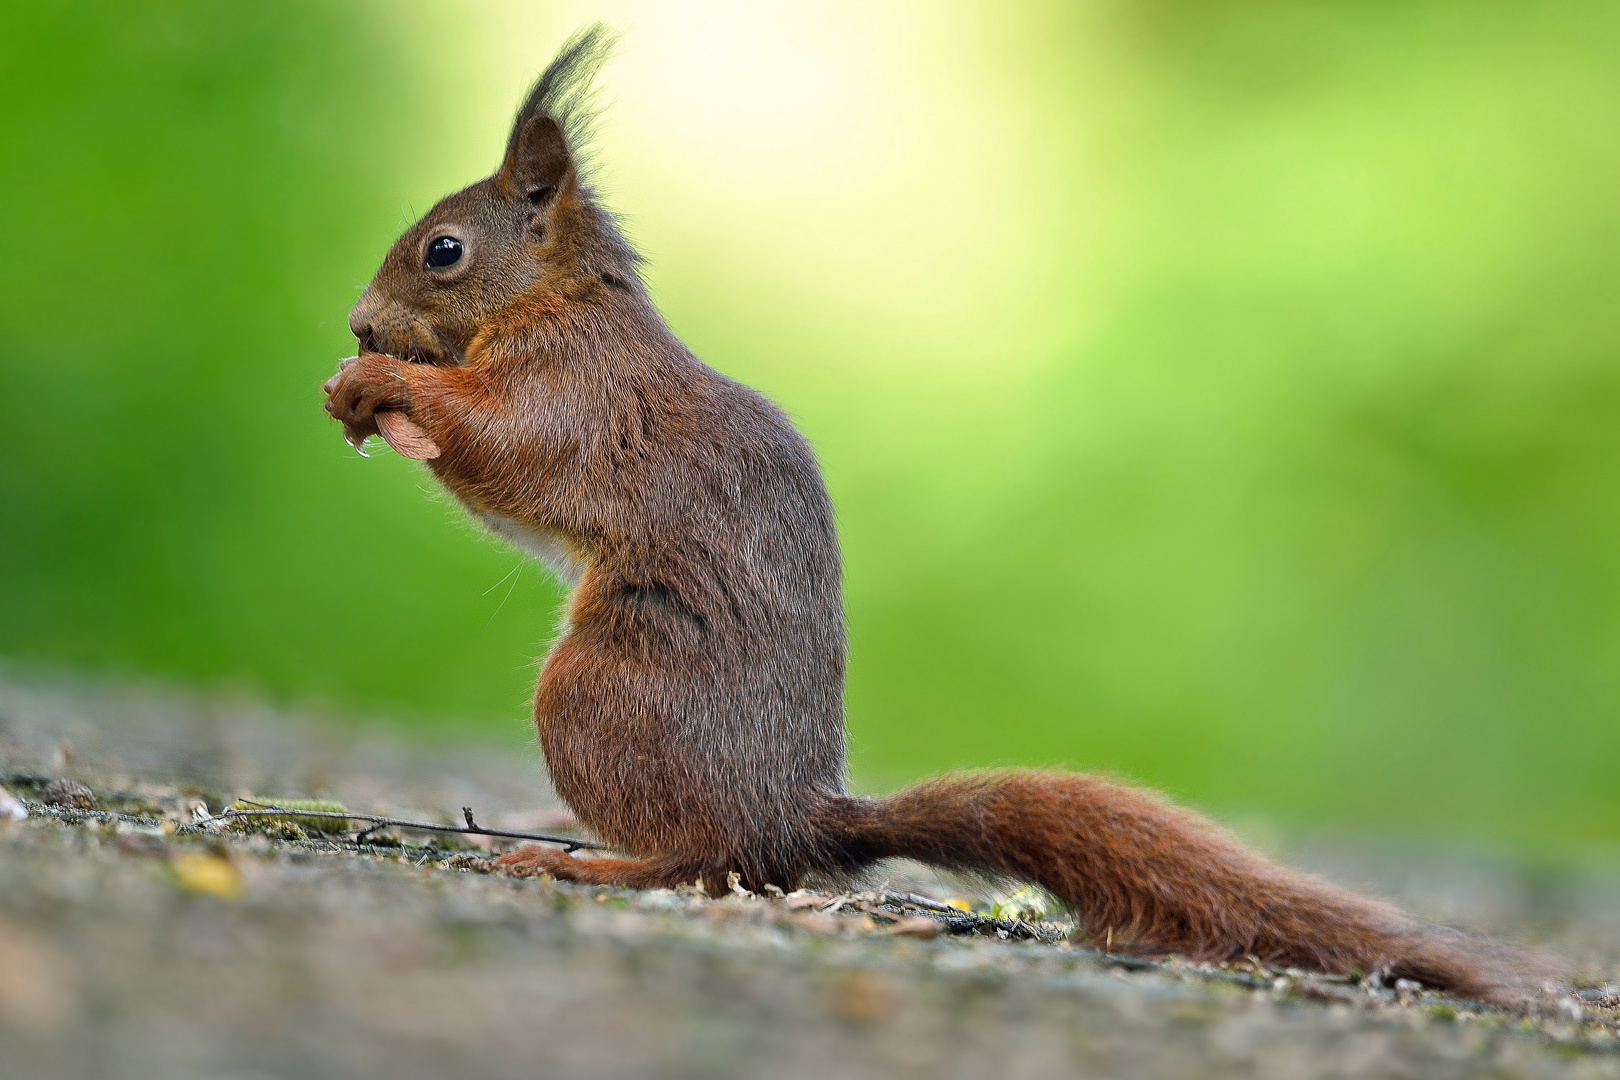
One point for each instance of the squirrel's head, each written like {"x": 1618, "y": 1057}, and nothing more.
{"x": 531, "y": 232}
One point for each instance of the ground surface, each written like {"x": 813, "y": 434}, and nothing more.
{"x": 134, "y": 945}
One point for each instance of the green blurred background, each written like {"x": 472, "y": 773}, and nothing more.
{"x": 1221, "y": 394}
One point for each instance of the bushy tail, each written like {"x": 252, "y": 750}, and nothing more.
{"x": 1151, "y": 878}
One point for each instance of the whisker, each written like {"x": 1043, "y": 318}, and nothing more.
{"x": 504, "y": 576}
{"x": 515, "y": 577}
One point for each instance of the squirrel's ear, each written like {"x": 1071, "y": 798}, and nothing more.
{"x": 538, "y": 161}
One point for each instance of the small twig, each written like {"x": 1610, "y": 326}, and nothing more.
{"x": 361, "y": 836}
{"x": 921, "y": 902}
{"x": 569, "y": 843}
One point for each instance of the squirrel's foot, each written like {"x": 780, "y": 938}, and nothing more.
{"x": 532, "y": 860}
{"x": 364, "y": 386}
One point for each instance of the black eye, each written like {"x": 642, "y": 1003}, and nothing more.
{"x": 445, "y": 251}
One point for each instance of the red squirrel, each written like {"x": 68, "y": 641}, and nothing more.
{"x": 691, "y": 712}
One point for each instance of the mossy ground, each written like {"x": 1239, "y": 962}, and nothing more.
{"x": 133, "y": 944}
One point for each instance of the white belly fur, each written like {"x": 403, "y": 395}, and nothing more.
{"x": 551, "y": 548}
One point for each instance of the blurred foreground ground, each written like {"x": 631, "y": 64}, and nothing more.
{"x": 130, "y": 951}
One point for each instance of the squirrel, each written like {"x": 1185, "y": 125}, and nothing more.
{"x": 691, "y": 711}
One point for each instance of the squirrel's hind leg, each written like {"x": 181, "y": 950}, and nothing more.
{"x": 532, "y": 860}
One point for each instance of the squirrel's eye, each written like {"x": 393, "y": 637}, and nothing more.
{"x": 445, "y": 251}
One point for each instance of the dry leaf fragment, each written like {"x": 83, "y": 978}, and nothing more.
{"x": 207, "y": 875}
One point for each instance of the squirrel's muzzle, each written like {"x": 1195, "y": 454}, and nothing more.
{"x": 381, "y": 326}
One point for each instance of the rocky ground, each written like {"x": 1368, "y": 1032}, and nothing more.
{"x": 135, "y": 943}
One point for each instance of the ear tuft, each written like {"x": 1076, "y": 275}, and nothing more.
{"x": 539, "y": 160}
{"x": 554, "y": 121}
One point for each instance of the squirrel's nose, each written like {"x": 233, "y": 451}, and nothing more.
{"x": 362, "y": 334}
{"x": 360, "y": 324}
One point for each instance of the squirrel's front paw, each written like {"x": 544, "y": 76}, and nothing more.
{"x": 364, "y": 386}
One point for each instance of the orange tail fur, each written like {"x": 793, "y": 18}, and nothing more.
{"x": 1151, "y": 878}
